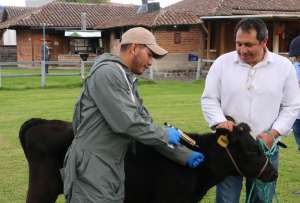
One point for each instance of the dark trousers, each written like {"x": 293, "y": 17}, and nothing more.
{"x": 296, "y": 130}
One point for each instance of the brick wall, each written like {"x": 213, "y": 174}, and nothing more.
{"x": 29, "y": 45}
{"x": 190, "y": 40}
{"x": 58, "y": 44}
{"x": 24, "y": 45}
{"x": 177, "y": 59}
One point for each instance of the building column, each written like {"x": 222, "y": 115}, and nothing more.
{"x": 275, "y": 44}
{"x": 222, "y": 39}
{"x": 208, "y": 40}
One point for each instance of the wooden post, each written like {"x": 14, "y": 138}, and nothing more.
{"x": 222, "y": 38}
{"x": 275, "y": 38}
{"x": 208, "y": 40}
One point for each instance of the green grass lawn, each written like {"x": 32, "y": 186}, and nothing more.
{"x": 175, "y": 102}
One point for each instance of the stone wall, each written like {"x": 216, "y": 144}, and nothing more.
{"x": 8, "y": 53}
{"x": 175, "y": 61}
{"x": 174, "y": 67}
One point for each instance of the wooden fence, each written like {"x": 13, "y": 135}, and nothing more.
{"x": 80, "y": 66}
{"x": 201, "y": 71}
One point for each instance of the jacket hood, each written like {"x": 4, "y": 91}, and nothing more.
{"x": 108, "y": 57}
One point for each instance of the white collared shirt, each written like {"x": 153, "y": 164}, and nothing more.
{"x": 266, "y": 96}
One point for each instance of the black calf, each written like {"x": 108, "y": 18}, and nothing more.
{"x": 150, "y": 178}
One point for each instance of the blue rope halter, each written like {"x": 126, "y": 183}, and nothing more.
{"x": 265, "y": 188}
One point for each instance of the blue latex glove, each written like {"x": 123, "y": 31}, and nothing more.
{"x": 195, "y": 159}
{"x": 173, "y": 136}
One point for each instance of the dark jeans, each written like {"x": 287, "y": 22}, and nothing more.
{"x": 296, "y": 130}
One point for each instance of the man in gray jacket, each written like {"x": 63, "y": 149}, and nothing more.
{"x": 108, "y": 116}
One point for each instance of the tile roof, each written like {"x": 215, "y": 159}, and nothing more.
{"x": 62, "y": 14}
{"x": 153, "y": 19}
{"x": 14, "y": 11}
{"x": 109, "y": 15}
{"x": 9, "y": 12}
{"x": 196, "y": 7}
{"x": 237, "y": 7}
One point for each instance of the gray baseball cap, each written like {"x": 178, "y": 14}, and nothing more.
{"x": 140, "y": 35}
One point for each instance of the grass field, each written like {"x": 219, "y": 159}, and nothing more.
{"x": 175, "y": 102}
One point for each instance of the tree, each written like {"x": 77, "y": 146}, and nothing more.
{"x": 87, "y": 1}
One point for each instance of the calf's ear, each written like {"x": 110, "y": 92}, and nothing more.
{"x": 243, "y": 128}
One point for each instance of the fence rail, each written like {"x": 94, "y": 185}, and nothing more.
{"x": 203, "y": 67}
{"x": 80, "y": 66}
{"x": 76, "y": 65}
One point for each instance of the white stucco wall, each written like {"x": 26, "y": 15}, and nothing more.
{"x": 9, "y": 37}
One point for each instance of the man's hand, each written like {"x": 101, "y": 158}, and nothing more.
{"x": 173, "y": 136}
{"x": 227, "y": 125}
{"x": 195, "y": 159}
{"x": 268, "y": 137}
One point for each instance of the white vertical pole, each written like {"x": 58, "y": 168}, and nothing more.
{"x": 0, "y": 76}
{"x": 82, "y": 70}
{"x": 43, "y": 74}
{"x": 43, "y": 65}
{"x": 44, "y": 42}
{"x": 151, "y": 71}
{"x": 199, "y": 66}
{"x": 83, "y": 21}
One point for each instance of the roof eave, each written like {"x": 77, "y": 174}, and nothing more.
{"x": 251, "y": 16}
{"x": 145, "y": 25}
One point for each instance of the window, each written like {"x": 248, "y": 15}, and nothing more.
{"x": 177, "y": 38}
{"x": 83, "y": 45}
{"x": 118, "y": 34}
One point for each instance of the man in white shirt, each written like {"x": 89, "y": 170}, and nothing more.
{"x": 255, "y": 86}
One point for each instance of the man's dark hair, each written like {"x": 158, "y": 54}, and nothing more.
{"x": 247, "y": 24}
{"x": 124, "y": 47}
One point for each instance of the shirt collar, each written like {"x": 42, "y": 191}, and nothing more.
{"x": 268, "y": 58}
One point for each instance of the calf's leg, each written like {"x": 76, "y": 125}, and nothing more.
{"x": 45, "y": 183}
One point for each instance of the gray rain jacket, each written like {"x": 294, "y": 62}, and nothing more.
{"x": 107, "y": 117}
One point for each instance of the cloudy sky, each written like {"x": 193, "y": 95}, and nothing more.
{"x": 12, "y": 2}
{"x": 163, "y": 3}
